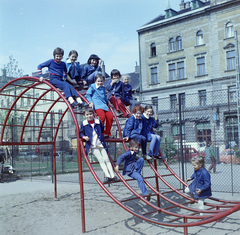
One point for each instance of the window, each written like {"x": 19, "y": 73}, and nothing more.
{"x": 229, "y": 29}
{"x": 199, "y": 38}
{"x": 232, "y": 94}
{"x": 172, "y": 72}
{"x": 180, "y": 66}
{"x": 201, "y": 66}
{"x": 172, "y": 44}
{"x": 182, "y": 100}
{"x": 231, "y": 63}
{"x": 37, "y": 119}
{"x": 232, "y": 128}
{"x": 44, "y": 98}
{"x": 176, "y": 131}
{"x": 59, "y": 114}
{"x": 179, "y": 43}
{"x": 173, "y": 101}
{"x": 153, "y": 49}
{"x": 28, "y": 100}
{"x": 203, "y": 132}
{"x": 52, "y": 95}
{"x": 155, "y": 102}
{"x": 154, "y": 75}
{"x": 202, "y": 98}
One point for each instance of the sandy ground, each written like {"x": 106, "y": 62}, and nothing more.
{"x": 29, "y": 208}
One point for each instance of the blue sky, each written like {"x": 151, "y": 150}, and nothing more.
{"x": 31, "y": 29}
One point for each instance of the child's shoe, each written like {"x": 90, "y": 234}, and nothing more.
{"x": 107, "y": 180}
{"x": 74, "y": 103}
{"x": 148, "y": 157}
{"x": 115, "y": 179}
{"x": 149, "y": 197}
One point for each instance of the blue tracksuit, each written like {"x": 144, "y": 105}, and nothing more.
{"x": 89, "y": 73}
{"x": 133, "y": 167}
{"x": 116, "y": 89}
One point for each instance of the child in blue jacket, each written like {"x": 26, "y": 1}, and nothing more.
{"x": 133, "y": 166}
{"x": 58, "y": 72}
{"x": 91, "y": 69}
{"x": 115, "y": 93}
{"x": 148, "y": 124}
{"x": 200, "y": 188}
{"x": 128, "y": 99}
{"x": 133, "y": 128}
{"x": 91, "y": 131}
{"x": 74, "y": 69}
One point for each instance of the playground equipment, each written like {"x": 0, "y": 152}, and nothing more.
{"x": 175, "y": 214}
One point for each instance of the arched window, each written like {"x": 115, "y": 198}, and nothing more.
{"x": 172, "y": 44}
{"x": 153, "y": 49}
{"x": 179, "y": 43}
{"x": 199, "y": 37}
{"x": 229, "y": 29}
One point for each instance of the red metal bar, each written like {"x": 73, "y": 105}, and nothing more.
{"x": 157, "y": 184}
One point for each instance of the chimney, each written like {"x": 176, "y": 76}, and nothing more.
{"x": 136, "y": 68}
{"x": 187, "y": 5}
{"x": 182, "y": 5}
{"x": 4, "y": 73}
{"x": 103, "y": 69}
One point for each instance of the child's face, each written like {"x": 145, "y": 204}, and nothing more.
{"x": 115, "y": 77}
{"x": 135, "y": 148}
{"x": 149, "y": 112}
{"x": 138, "y": 114}
{"x": 99, "y": 82}
{"x": 73, "y": 57}
{"x": 125, "y": 80}
{"x": 93, "y": 62}
{"x": 89, "y": 115}
{"x": 58, "y": 57}
{"x": 196, "y": 166}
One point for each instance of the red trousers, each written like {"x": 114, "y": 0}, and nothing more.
{"x": 105, "y": 115}
{"x": 118, "y": 105}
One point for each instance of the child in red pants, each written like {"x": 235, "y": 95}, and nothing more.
{"x": 115, "y": 93}
{"x": 96, "y": 95}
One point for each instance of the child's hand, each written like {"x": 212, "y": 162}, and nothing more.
{"x": 74, "y": 82}
{"x": 156, "y": 117}
{"x": 100, "y": 62}
{"x": 116, "y": 168}
{"x": 91, "y": 105}
{"x": 126, "y": 138}
{"x": 84, "y": 83}
{"x": 110, "y": 105}
{"x": 86, "y": 138}
{"x": 189, "y": 179}
{"x": 198, "y": 191}
{"x": 41, "y": 79}
{"x": 114, "y": 81}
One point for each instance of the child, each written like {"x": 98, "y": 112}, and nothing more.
{"x": 91, "y": 131}
{"x": 57, "y": 72}
{"x": 133, "y": 166}
{"x": 148, "y": 124}
{"x": 200, "y": 188}
{"x": 115, "y": 93}
{"x": 213, "y": 158}
{"x": 128, "y": 99}
{"x": 91, "y": 69}
{"x": 74, "y": 69}
{"x": 96, "y": 95}
{"x": 133, "y": 128}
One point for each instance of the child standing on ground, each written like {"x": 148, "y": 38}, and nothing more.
{"x": 74, "y": 69}
{"x": 200, "y": 188}
{"x": 91, "y": 131}
{"x": 133, "y": 128}
{"x": 133, "y": 166}
{"x": 148, "y": 124}
{"x": 213, "y": 158}
{"x": 115, "y": 93}
{"x": 96, "y": 95}
{"x": 58, "y": 72}
{"x": 91, "y": 69}
{"x": 128, "y": 99}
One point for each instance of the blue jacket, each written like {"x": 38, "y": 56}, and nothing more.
{"x": 87, "y": 130}
{"x": 148, "y": 124}
{"x": 133, "y": 126}
{"x": 130, "y": 164}
{"x": 89, "y": 69}
{"x": 74, "y": 70}
{"x": 127, "y": 93}
{"x": 97, "y": 96}
{"x": 202, "y": 180}
{"x": 116, "y": 89}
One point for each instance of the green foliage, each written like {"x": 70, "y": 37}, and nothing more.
{"x": 168, "y": 148}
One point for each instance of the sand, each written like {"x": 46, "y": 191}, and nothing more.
{"x": 29, "y": 208}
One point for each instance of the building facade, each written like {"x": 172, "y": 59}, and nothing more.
{"x": 190, "y": 54}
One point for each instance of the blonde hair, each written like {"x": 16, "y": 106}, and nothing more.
{"x": 125, "y": 76}
{"x": 199, "y": 159}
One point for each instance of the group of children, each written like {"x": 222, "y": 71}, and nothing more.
{"x": 138, "y": 128}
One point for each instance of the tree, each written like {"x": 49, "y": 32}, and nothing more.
{"x": 11, "y": 70}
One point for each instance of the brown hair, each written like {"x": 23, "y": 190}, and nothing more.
{"x": 138, "y": 108}
{"x": 133, "y": 143}
{"x": 88, "y": 109}
{"x": 199, "y": 159}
